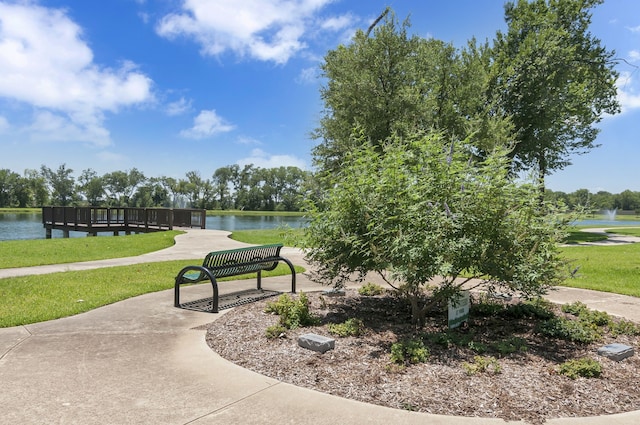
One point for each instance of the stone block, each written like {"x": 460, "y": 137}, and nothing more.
{"x": 318, "y": 343}
{"x": 616, "y": 352}
{"x": 334, "y": 293}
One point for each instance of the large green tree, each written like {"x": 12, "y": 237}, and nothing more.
{"x": 61, "y": 184}
{"x": 554, "y": 79}
{"x": 421, "y": 213}
{"x": 388, "y": 82}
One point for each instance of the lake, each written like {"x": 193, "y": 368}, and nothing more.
{"x": 29, "y": 225}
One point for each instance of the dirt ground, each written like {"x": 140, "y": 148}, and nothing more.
{"x": 524, "y": 384}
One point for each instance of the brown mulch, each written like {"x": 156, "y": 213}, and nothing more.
{"x": 528, "y": 385}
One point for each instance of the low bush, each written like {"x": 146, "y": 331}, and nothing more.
{"x": 481, "y": 365}
{"x": 409, "y": 351}
{"x": 569, "y": 330}
{"x": 370, "y": 289}
{"x": 350, "y": 327}
{"x": 293, "y": 313}
{"x": 585, "y": 368}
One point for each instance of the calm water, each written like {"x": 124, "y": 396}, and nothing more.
{"x": 29, "y": 225}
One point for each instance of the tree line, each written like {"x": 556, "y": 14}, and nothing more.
{"x": 230, "y": 187}
{"x": 627, "y": 200}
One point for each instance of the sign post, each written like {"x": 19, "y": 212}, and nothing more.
{"x": 459, "y": 309}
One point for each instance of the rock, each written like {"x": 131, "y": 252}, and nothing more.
{"x": 317, "y": 343}
{"x": 616, "y": 352}
{"x": 334, "y": 293}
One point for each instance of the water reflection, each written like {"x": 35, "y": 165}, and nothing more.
{"x": 29, "y": 225}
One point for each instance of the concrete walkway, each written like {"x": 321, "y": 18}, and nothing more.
{"x": 142, "y": 361}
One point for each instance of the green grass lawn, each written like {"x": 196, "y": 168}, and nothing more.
{"x": 287, "y": 236}
{"x": 31, "y": 299}
{"x": 26, "y": 253}
{"x": 37, "y": 298}
{"x": 605, "y": 268}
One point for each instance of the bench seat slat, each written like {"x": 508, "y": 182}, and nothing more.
{"x": 233, "y": 262}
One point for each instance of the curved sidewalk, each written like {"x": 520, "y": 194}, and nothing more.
{"x": 142, "y": 361}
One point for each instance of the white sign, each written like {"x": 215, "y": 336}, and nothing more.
{"x": 459, "y": 309}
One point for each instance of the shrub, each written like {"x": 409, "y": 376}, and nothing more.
{"x": 275, "y": 331}
{"x": 575, "y": 308}
{"x": 486, "y": 308}
{"x": 293, "y": 313}
{"x": 593, "y": 317}
{"x": 624, "y": 327}
{"x": 537, "y": 309}
{"x": 350, "y": 327}
{"x": 409, "y": 351}
{"x": 482, "y": 364}
{"x": 586, "y": 368}
{"x": 510, "y": 346}
{"x": 569, "y": 330}
{"x": 370, "y": 289}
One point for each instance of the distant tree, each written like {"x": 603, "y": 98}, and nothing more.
{"x": 554, "y": 79}
{"x": 222, "y": 181}
{"x": 421, "y": 215}
{"x": 8, "y": 184}
{"x": 91, "y": 186}
{"x": 580, "y": 198}
{"x": 121, "y": 185}
{"x": 37, "y": 187}
{"x": 61, "y": 183}
{"x": 627, "y": 200}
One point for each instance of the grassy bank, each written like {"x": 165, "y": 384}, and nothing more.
{"x": 32, "y": 299}
{"x": 255, "y": 213}
{"x": 38, "y": 252}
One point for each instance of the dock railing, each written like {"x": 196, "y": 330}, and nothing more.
{"x": 119, "y": 219}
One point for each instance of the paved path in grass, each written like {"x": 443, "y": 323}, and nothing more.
{"x": 612, "y": 238}
{"x": 142, "y": 361}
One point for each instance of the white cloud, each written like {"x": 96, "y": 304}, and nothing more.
{"x": 308, "y": 76}
{"x": 207, "y": 124}
{"x": 339, "y": 23}
{"x": 634, "y": 55}
{"x": 4, "y": 124}
{"x": 46, "y": 63}
{"x": 262, "y": 159}
{"x": 628, "y": 94}
{"x": 634, "y": 29}
{"x": 50, "y": 127}
{"x": 246, "y": 140}
{"x": 268, "y": 30}
{"x": 107, "y": 156}
{"x": 178, "y": 107}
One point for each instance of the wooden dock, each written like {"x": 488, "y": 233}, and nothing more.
{"x": 94, "y": 220}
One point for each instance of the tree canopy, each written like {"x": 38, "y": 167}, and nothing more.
{"x": 554, "y": 79}
{"x": 421, "y": 214}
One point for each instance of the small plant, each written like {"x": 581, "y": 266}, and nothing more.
{"x": 586, "y": 315}
{"x": 410, "y": 351}
{"x": 586, "y": 368}
{"x": 370, "y": 289}
{"x": 481, "y": 365}
{"x": 486, "y": 308}
{"x": 536, "y": 309}
{"x": 293, "y": 313}
{"x": 569, "y": 330}
{"x": 575, "y": 308}
{"x": 350, "y": 327}
{"x": 477, "y": 347}
{"x": 510, "y": 346}
{"x": 624, "y": 327}
{"x": 275, "y": 331}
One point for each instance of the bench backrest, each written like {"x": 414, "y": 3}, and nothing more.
{"x": 242, "y": 260}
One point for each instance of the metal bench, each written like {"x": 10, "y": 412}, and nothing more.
{"x": 232, "y": 262}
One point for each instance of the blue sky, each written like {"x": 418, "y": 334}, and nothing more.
{"x": 171, "y": 86}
